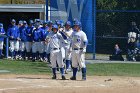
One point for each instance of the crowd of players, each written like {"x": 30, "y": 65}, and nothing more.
{"x": 56, "y": 43}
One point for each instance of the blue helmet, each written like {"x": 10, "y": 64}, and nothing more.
{"x": 31, "y": 22}
{"x": 55, "y": 27}
{"x": 45, "y": 22}
{"x": 37, "y": 20}
{"x": 50, "y": 23}
{"x": 77, "y": 23}
{"x": 58, "y": 23}
{"x": 68, "y": 23}
{"x": 13, "y": 20}
{"x": 1, "y": 25}
{"x": 37, "y": 25}
{"x": 75, "y": 20}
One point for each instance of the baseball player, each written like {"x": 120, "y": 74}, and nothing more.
{"x": 55, "y": 39}
{"x": 44, "y": 33}
{"x": 2, "y": 32}
{"x": 36, "y": 36}
{"x": 22, "y": 31}
{"x": 28, "y": 43}
{"x": 20, "y": 23}
{"x": 78, "y": 47}
{"x": 47, "y": 47}
{"x": 68, "y": 32}
{"x": 14, "y": 36}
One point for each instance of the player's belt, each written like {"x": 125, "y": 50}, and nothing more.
{"x": 77, "y": 48}
{"x": 55, "y": 48}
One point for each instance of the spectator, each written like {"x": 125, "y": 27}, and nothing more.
{"x": 117, "y": 54}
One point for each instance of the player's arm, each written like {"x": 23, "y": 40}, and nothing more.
{"x": 18, "y": 34}
{"x": 61, "y": 38}
{"x": 85, "y": 42}
{"x": 47, "y": 39}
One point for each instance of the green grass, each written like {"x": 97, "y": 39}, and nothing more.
{"x": 101, "y": 69}
{"x": 20, "y": 67}
{"x": 113, "y": 69}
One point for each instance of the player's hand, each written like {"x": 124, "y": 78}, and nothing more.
{"x": 29, "y": 34}
{"x": 18, "y": 39}
{"x": 83, "y": 51}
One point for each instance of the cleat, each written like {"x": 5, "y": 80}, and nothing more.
{"x": 66, "y": 71}
{"x": 63, "y": 78}
{"x": 54, "y": 77}
{"x": 83, "y": 78}
{"x": 73, "y": 78}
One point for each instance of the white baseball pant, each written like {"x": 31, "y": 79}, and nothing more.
{"x": 1, "y": 45}
{"x": 37, "y": 47}
{"x": 14, "y": 45}
{"x": 56, "y": 56}
{"x": 78, "y": 57}
{"x": 28, "y": 46}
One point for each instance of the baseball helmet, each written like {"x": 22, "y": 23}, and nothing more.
{"x": 68, "y": 23}
{"x": 55, "y": 27}
{"x": 45, "y": 22}
{"x": 77, "y": 23}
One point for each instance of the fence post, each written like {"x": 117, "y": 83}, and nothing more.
{"x": 94, "y": 29}
{"x": 46, "y": 10}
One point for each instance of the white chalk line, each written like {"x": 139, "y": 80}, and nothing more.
{"x": 43, "y": 86}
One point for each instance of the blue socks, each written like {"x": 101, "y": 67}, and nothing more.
{"x": 67, "y": 64}
{"x": 75, "y": 71}
{"x": 62, "y": 71}
{"x": 84, "y": 72}
{"x": 54, "y": 71}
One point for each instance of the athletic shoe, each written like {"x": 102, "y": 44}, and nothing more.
{"x": 63, "y": 78}
{"x": 84, "y": 78}
{"x": 54, "y": 77}
{"x": 73, "y": 78}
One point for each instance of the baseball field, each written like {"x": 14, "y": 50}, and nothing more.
{"x": 35, "y": 77}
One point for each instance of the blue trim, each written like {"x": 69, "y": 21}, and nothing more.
{"x": 94, "y": 29}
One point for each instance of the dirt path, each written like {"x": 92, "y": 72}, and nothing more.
{"x": 43, "y": 84}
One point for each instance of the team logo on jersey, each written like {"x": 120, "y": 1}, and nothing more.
{"x": 77, "y": 38}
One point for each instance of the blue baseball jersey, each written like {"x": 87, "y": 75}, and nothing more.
{"x": 36, "y": 35}
{"x": 2, "y": 32}
{"x": 44, "y": 33}
{"x": 22, "y": 31}
{"x": 14, "y": 32}
{"x": 29, "y": 30}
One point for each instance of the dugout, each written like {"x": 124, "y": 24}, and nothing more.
{"x": 20, "y": 12}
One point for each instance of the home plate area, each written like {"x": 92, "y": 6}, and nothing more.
{"x": 44, "y": 84}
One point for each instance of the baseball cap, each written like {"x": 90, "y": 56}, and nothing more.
{"x": 13, "y": 20}
{"x": 24, "y": 22}
{"x": 68, "y": 23}
{"x": 1, "y": 25}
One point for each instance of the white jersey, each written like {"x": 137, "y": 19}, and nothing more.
{"x": 68, "y": 34}
{"x": 78, "y": 39}
{"x": 55, "y": 40}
